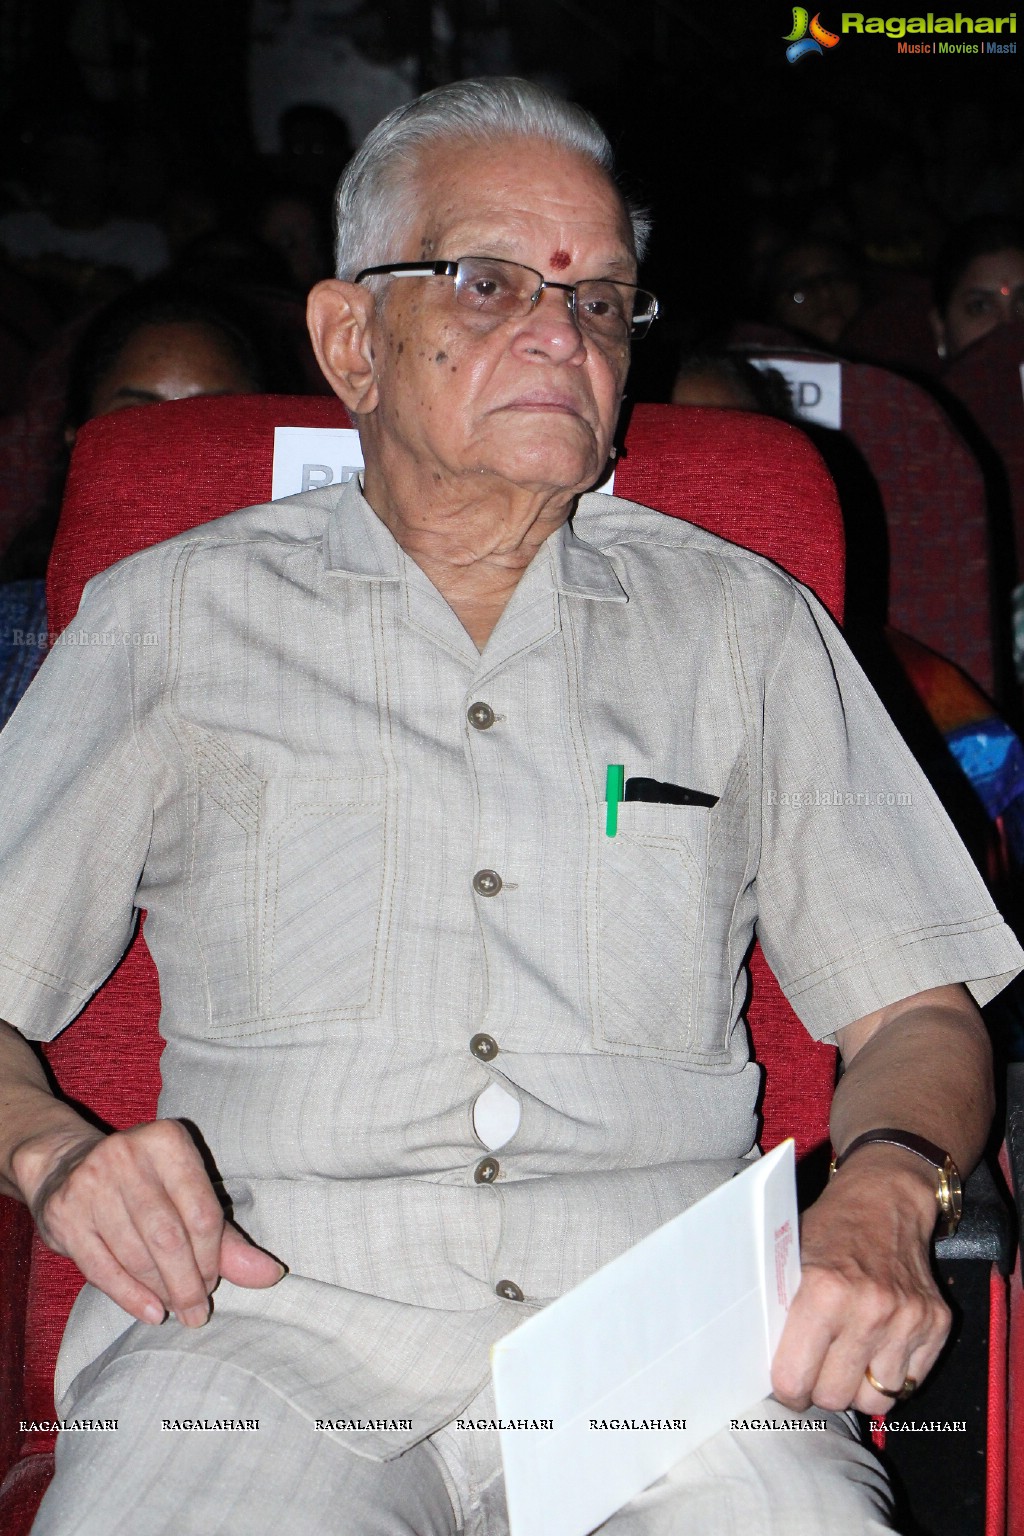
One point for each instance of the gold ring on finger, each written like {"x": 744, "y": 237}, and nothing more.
{"x": 900, "y": 1395}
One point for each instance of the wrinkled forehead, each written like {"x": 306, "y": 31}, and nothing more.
{"x": 518, "y": 195}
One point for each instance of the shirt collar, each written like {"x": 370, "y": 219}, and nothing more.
{"x": 583, "y": 570}
{"x": 358, "y": 544}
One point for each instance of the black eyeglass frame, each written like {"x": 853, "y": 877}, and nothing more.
{"x": 638, "y": 327}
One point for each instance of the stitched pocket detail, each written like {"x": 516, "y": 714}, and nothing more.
{"x": 326, "y": 886}
{"x": 650, "y": 903}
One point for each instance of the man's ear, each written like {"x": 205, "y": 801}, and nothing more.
{"x": 339, "y": 317}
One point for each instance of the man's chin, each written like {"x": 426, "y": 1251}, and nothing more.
{"x": 566, "y": 473}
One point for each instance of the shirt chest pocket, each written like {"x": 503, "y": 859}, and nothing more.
{"x": 324, "y": 885}
{"x": 652, "y": 879}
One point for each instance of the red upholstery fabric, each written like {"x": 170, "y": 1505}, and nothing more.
{"x": 987, "y": 379}
{"x": 996, "y": 1407}
{"x": 15, "y": 1243}
{"x": 1015, "y": 1402}
{"x": 934, "y": 497}
{"x": 143, "y": 475}
{"x": 933, "y": 492}
{"x": 748, "y": 478}
{"x": 893, "y": 329}
{"x": 22, "y": 1490}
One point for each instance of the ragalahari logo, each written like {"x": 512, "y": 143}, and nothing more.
{"x": 799, "y": 41}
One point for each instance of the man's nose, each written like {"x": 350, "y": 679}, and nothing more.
{"x": 551, "y": 325}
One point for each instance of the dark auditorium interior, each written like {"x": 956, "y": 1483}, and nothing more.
{"x": 838, "y": 243}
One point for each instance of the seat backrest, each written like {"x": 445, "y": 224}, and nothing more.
{"x": 940, "y": 578}
{"x": 988, "y": 379}
{"x": 892, "y": 329}
{"x": 142, "y": 475}
{"x": 933, "y": 491}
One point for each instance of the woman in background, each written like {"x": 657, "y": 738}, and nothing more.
{"x": 160, "y": 342}
{"x": 978, "y": 283}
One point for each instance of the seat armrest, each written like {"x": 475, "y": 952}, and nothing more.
{"x": 15, "y": 1257}
{"x": 1015, "y": 1134}
{"x": 987, "y": 1232}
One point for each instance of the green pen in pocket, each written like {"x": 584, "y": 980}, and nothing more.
{"x": 614, "y": 789}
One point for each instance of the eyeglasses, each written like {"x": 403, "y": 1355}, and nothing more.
{"x": 497, "y": 290}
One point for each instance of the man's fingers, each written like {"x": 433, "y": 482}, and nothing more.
{"x": 893, "y": 1371}
{"x": 244, "y": 1264}
{"x": 146, "y": 1240}
{"x": 101, "y": 1269}
{"x": 836, "y": 1331}
{"x": 145, "y": 1196}
{"x": 170, "y": 1265}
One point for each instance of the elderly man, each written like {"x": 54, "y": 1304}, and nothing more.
{"x": 448, "y": 1047}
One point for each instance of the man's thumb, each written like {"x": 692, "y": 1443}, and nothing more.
{"x": 243, "y": 1263}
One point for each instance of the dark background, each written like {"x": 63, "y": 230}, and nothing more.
{"x": 724, "y": 138}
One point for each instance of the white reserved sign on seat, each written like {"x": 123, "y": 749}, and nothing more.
{"x": 681, "y": 1329}
{"x": 307, "y": 458}
{"x": 816, "y": 389}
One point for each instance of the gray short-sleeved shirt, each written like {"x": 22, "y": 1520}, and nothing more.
{"x": 262, "y": 732}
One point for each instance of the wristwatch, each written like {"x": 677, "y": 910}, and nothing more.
{"x": 948, "y": 1191}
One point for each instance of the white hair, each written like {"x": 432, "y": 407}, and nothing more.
{"x": 376, "y": 203}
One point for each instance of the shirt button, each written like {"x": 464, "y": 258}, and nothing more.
{"x": 486, "y": 1170}
{"x": 487, "y": 882}
{"x": 480, "y": 716}
{"x": 509, "y": 1290}
{"x": 484, "y": 1047}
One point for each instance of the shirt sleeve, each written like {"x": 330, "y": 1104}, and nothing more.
{"x": 75, "y": 823}
{"x": 865, "y": 893}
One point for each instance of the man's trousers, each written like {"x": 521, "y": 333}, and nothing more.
{"x": 287, "y": 1479}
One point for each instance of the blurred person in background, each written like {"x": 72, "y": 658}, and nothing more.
{"x": 160, "y": 342}
{"x": 731, "y": 382}
{"x": 978, "y": 283}
{"x": 814, "y": 288}
{"x": 291, "y": 223}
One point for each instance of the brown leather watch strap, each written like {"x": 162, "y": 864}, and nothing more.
{"x": 896, "y": 1138}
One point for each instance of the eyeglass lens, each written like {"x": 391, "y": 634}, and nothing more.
{"x": 505, "y": 289}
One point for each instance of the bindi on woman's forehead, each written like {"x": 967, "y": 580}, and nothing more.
{"x": 559, "y": 260}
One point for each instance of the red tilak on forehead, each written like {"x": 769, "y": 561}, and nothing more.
{"x": 559, "y": 260}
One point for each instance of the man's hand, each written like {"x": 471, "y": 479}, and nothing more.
{"x": 137, "y": 1213}
{"x": 867, "y": 1299}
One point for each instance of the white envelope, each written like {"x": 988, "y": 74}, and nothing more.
{"x": 682, "y": 1327}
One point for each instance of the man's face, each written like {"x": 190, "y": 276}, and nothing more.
{"x": 530, "y": 400}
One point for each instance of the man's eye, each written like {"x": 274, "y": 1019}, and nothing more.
{"x": 603, "y": 304}
{"x": 485, "y": 288}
